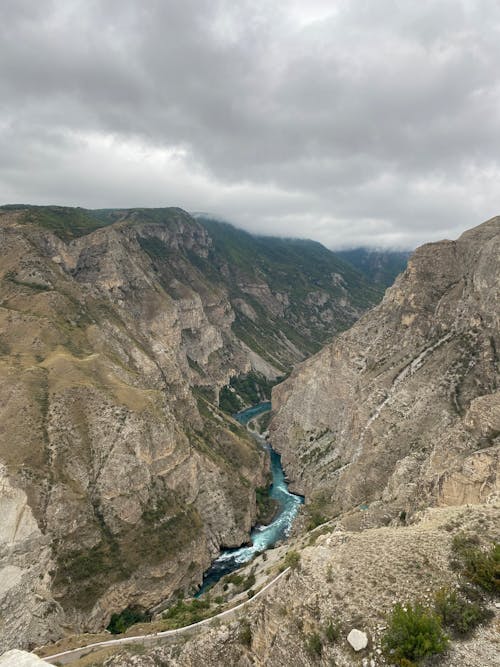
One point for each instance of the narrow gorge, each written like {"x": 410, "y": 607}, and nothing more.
{"x": 127, "y": 340}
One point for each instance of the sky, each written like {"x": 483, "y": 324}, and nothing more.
{"x": 352, "y": 122}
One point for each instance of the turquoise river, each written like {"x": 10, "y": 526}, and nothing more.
{"x": 262, "y": 537}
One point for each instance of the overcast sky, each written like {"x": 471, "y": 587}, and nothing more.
{"x": 351, "y": 121}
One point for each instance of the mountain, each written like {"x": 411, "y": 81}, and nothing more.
{"x": 121, "y": 475}
{"x": 381, "y": 267}
{"x": 289, "y": 295}
{"x": 402, "y": 411}
{"x": 393, "y": 433}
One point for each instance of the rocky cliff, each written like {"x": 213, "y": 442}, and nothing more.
{"x": 120, "y": 475}
{"x": 403, "y": 410}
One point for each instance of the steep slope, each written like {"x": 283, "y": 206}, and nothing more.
{"x": 120, "y": 476}
{"x": 118, "y": 485}
{"x": 403, "y": 410}
{"x": 344, "y": 580}
{"x": 380, "y": 267}
{"x": 290, "y": 296}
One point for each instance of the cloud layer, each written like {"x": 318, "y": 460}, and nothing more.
{"x": 351, "y": 122}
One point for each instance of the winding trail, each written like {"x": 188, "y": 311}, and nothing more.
{"x": 67, "y": 657}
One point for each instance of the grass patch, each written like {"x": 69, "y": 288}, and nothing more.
{"x": 332, "y": 632}
{"x": 186, "y": 613}
{"x": 245, "y": 633}
{"x": 292, "y": 560}
{"x": 314, "y": 645}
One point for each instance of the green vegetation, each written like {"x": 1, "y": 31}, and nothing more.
{"x": 66, "y": 222}
{"x": 85, "y": 573}
{"x": 186, "y": 613}
{"x": 314, "y": 645}
{"x": 458, "y": 613}
{"x": 154, "y": 247}
{"x": 316, "y": 511}
{"x": 292, "y": 560}
{"x": 379, "y": 266}
{"x": 332, "y": 632}
{"x": 129, "y": 616}
{"x": 236, "y": 579}
{"x": 320, "y": 279}
{"x": 166, "y": 529}
{"x": 266, "y": 506}
{"x": 413, "y": 633}
{"x": 229, "y": 401}
{"x": 245, "y": 633}
{"x": 245, "y": 390}
{"x": 241, "y": 582}
{"x": 480, "y": 567}
{"x": 11, "y": 276}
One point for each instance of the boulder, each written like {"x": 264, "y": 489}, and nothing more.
{"x": 357, "y": 639}
{"x": 17, "y": 658}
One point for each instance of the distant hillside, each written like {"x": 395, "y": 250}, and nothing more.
{"x": 287, "y": 293}
{"x": 379, "y": 266}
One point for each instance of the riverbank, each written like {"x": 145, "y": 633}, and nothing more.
{"x": 262, "y": 536}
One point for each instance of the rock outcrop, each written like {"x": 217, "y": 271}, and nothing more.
{"x": 402, "y": 411}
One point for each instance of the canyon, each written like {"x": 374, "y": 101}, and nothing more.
{"x": 120, "y": 334}
{"x": 392, "y": 433}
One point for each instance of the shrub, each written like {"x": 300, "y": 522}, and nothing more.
{"x": 236, "y": 579}
{"x": 186, "y": 613}
{"x": 481, "y": 568}
{"x": 292, "y": 560}
{"x": 249, "y": 581}
{"x": 245, "y": 634}
{"x": 458, "y": 613}
{"x": 413, "y": 633}
{"x": 316, "y": 518}
{"x": 129, "y": 616}
{"x": 314, "y": 645}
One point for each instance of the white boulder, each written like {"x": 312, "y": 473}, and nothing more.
{"x": 357, "y": 639}
{"x": 16, "y": 658}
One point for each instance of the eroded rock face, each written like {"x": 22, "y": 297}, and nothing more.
{"x": 402, "y": 410}
{"x": 120, "y": 482}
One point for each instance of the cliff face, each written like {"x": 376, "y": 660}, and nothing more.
{"x": 120, "y": 476}
{"x": 119, "y": 485}
{"x": 403, "y": 410}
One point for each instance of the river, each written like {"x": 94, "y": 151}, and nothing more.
{"x": 262, "y": 537}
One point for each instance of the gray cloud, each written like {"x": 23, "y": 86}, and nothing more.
{"x": 351, "y": 122}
